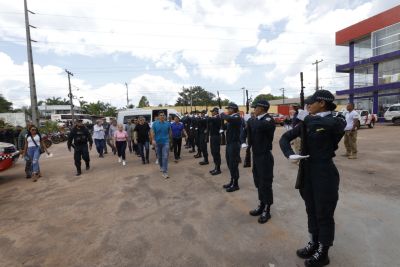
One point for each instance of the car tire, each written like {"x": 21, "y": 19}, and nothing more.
{"x": 371, "y": 125}
{"x": 396, "y": 121}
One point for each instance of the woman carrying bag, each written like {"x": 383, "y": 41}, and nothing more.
{"x": 34, "y": 147}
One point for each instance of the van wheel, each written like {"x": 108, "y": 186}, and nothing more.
{"x": 371, "y": 125}
{"x": 396, "y": 121}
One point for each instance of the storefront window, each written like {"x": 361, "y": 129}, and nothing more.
{"x": 364, "y": 103}
{"x": 389, "y": 71}
{"x": 385, "y": 101}
{"x": 386, "y": 40}
{"x": 363, "y": 76}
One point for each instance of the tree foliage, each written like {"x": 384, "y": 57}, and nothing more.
{"x": 5, "y": 105}
{"x": 267, "y": 97}
{"x": 143, "y": 102}
{"x": 54, "y": 101}
{"x": 100, "y": 109}
{"x": 198, "y": 96}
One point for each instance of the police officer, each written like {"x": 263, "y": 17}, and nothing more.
{"x": 203, "y": 136}
{"x": 80, "y": 137}
{"x": 260, "y": 134}
{"x": 322, "y": 133}
{"x": 232, "y": 153}
{"x": 195, "y": 125}
{"x": 247, "y": 159}
{"x": 214, "y": 126}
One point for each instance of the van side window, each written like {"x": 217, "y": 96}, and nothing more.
{"x": 394, "y": 108}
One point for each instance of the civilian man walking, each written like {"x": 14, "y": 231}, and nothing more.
{"x": 350, "y": 136}
{"x": 178, "y": 130}
{"x": 98, "y": 137}
{"x": 160, "y": 135}
{"x": 141, "y": 138}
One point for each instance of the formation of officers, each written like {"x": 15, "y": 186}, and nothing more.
{"x": 320, "y": 134}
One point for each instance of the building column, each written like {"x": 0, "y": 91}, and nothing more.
{"x": 376, "y": 81}
{"x": 351, "y": 52}
{"x": 351, "y": 77}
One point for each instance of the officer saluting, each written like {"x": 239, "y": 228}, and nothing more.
{"x": 232, "y": 153}
{"x": 214, "y": 126}
{"x": 260, "y": 134}
{"x": 80, "y": 136}
{"x": 320, "y": 187}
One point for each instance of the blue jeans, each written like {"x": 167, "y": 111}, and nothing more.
{"x": 34, "y": 155}
{"x": 162, "y": 154}
{"x": 100, "y": 143}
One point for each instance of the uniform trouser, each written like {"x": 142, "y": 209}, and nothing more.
{"x": 197, "y": 141}
{"x": 100, "y": 144}
{"x": 263, "y": 173}
{"x": 215, "y": 146}
{"x": 142, "y": 148}
{"x": 177, "y": 144}
{"x": 350, "y": 141}
{"x": 203, "y": 146}
{"x": 191, "y": 141}
{"x": 121, "y": 147}
{"x": 232, "y": 155}
{"x": 320, "y": 194}
{"x": 247, "y": 159}
{"x": 81, "y": 152}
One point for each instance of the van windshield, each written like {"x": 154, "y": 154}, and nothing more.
{"x": 131, "y": 117}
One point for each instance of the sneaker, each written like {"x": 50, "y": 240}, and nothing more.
{"x": 156, "y": 161}
{"x": 119, "y": 160}
{"x": 165, "y": 175}
{"x": 123, "y": 163}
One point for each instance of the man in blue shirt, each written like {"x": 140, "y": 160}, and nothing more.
{"x": 160, "y": 136}
{"x": 178, "y": 130}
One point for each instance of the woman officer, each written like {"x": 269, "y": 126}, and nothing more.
{"x": 321, "y": 178}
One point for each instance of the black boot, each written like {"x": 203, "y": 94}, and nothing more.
{"x": 204, "y": 162}
{"x": 319, "y": 258}
{"x": 309, "y": 249}
{"x": 234, "y": 187}
{"x": 78, "y": 171}
{"x": 198, "y": 155}
{"x": 87, "y": 166}
{"x": 213, "y": 170}
{"x": 226, "y": 186}
{"x": 257, "y": 211}
{"x": 216, "y": 171}
{"x": 265, "y": 215}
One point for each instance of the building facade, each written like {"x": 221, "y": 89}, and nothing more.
{"x": 374, "y": 61}
{"x": 47, "y": 110}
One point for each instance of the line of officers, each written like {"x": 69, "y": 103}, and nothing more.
{"x": 321, "y": 133}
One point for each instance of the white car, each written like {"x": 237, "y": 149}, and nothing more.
{"x": 393, "y": 114}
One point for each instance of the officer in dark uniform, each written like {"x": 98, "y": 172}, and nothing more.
{"x": 195, "y": 125}
{"x": 247, "y": 159}
{"x": 79, "y": 138}
{"x": 234, "y": 122}
{"x": 319, "y": 190}
{"x": 260, "y": 134}
{"x": 203, "y": 136}
{"x": 214, "y": 126}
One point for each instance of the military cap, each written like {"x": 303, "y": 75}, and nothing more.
{"x": 261, "y": 103}
{"x": 232, "y": 105}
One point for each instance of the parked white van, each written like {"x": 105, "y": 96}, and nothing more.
{"x": 393, "y": 114}
{"x": 125, "y": 115}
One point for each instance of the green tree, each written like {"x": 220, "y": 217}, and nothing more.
{"x": 197, "y": 96}
{"x": 56, "y": 101}
{"x": 143, "y": 102}
{"x": 100, "y": 109}
{"x": 267, "y": 97}
{"x": 5, "y": 105}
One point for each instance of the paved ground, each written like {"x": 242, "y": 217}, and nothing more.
{"x": 130, "y": 216}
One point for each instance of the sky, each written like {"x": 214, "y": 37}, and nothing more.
{"x": 159, "y": 46}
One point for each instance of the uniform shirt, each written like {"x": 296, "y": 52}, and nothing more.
{"x": 142, "y": 132}
{"x": 80, "y": 136}
{"x": 202, "y": 124}
{"x": 350, "y": 117}
{"x": 323, "y": 134}
{"x": 177, "y": 129}
{"x": 234, "y": 123}
{"x": 161, "y": 131}
{"x": 260, "y": 133}
{"x": 98, "y": 132}
{"x": 214, "y": 125}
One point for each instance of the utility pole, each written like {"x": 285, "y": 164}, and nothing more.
{"x": 71, "y": 96}
{"x": 283, "y": 95}
{"x": 127, "y": 97}
{"x": 32, "y": 84}
{"x": 316, "y": 67}
{"x": 244, "y": 97}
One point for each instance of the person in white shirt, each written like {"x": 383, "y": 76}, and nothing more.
{"x": 350, "y": 137}
{"x": 98, "y": 137}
